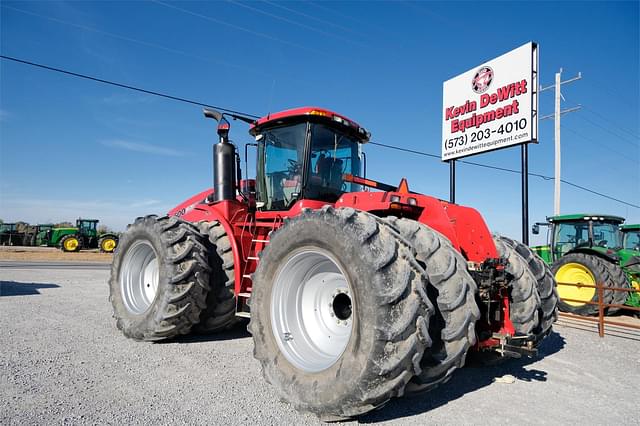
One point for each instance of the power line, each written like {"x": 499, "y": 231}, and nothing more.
{"x": 600, "y": 145}
{"x": 192, "y": 102}
{"x": 632, "y": 134}
{"x": 617, "y": 135}
{"x": 125, "y": 86}
{"x": 504, "y": 169}
{"x": 252, "y": 70}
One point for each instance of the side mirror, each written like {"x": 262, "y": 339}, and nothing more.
{"x": 535, "y": 229}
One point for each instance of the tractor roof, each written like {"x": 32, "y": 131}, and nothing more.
{"x": 585, "y": 217}
{"x": 321, "y": 114}
{"x": 630, "y": 227}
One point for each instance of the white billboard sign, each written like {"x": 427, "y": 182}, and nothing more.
{"x": 492, "y": 106}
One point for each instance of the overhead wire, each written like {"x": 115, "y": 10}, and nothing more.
{"x": 125, "y": 86}
{"x": 232, "y": 111}
{"x": 597, "y": 114}
{"x": 252, "y": 70}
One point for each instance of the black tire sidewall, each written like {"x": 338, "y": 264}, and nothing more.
{"x": 140, "y": 325}
{"x": 593, "y": 263}
{"x": 326, "y": 389}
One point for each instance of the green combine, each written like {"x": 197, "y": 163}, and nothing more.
{"x": 588, "y": 249}
{"x": 84, "y": 235}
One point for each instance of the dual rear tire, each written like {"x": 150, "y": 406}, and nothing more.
{"x": 350, "y": 310}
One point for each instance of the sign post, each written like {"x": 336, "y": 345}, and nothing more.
{"x": 493, "y": 106}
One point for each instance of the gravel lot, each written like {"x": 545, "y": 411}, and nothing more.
{"x": 64, "y": 362}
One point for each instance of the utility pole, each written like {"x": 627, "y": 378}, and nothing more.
{"x": 556, "y": 116}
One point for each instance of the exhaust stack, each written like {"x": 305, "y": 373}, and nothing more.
{"x": 224, "y": 160}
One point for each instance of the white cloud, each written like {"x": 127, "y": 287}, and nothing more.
{"x": 143, "y": 147}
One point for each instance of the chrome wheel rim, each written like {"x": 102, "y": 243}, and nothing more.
{"x": 139, "y": 276}
{"x": 312, "y": 310}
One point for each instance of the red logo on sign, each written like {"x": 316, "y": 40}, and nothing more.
{"x": 482, "y": 80}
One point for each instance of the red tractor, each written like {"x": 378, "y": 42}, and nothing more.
{"x": 357, "y": 291}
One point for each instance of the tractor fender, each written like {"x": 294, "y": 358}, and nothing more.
{"x": 603, "y": 254}
{"x": 109, "y": 234}
{"x": 188, "y": 205}
{"x": 218, "y": 212}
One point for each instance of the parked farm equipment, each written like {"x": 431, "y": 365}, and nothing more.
{"x": 357, "y": 291}
{"x": 587, "y": 249}
{"x": 84, "y": 235}
{"x": 11, "y": 234}
{"x": 34, "y": 234}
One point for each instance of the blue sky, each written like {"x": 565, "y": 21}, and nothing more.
{"x": 70, "y": 147}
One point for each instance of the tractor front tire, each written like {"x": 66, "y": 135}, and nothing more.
{"x": 452, "y": 290}
{"x": 546, "y": 285}
{"x": 221, "y": 300}
{"x": 159, "y": 278}
{"x": 70, "y": 243}
{"x": 107, "y": 243}
{"x": 619, "y": 280}
{"x": 584, "y": 269}
{"x": 524, "y": 302}
{"x": 339, "y": 315}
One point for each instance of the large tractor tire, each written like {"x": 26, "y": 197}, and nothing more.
{"x": 546, "y": 285}
{"x": 70, "y": 243}
{"x": 585, "y": 269}
{"x": 159, "y": 278}
{"x": 107, "y": 243}
{"x": 619, "y": 280}
{"x": 452, "y": 291}
{"x": 524, "y": 301}
{"x": 221, "y": 301}
{"x": 339, "y": 315}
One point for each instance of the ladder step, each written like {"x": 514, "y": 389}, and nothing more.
{"x": 244, "y": 294}
{"x": 260, "y": 241}
{"x": 246, "y": 276}
{"x": 243, "y": 314}
{"x": 252, "y": 258}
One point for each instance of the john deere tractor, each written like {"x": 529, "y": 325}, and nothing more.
{"x": 587, "y": 249}
{"x": 33, "y": 231}
{"x": 84, "y": 235}
{"x": 630, "y": 259}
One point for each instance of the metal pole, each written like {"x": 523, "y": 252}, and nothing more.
{"x": 452, "y": 181}
{"x": 556, "y": 193}
{"x": 525, "y": 193}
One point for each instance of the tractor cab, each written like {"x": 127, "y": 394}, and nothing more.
{"x": 631, "y": 237}
{"x": 305, "y": 154}
{"x": 88, "y": 227}
{"x": 572, "y": 232}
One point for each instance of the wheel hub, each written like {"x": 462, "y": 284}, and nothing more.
{"x": 312, "y": 310}
{"x": 139, "y": 277}
{"x": 575, "y": 273}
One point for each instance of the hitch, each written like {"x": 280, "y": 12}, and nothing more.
{"x": 515, "y": 346}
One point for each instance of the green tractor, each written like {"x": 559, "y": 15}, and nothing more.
{"x": 31, "y": 234}
{"x": 630, "y": 259}
{"x": 84, "y": 235}
{"x": 587, "y": 249}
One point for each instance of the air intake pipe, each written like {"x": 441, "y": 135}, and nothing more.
{"x": 224, "y": 160}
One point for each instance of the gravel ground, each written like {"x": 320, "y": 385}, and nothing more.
{"x": 64, "y": 362}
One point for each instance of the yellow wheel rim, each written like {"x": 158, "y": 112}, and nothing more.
{"x": 108, "y": 245}
{"x": 575, "y": 273}
{"x": 71, "y": 244}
